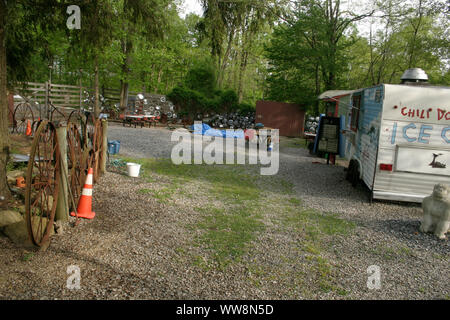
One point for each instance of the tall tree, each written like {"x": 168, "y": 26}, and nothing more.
{"x": 314, "y": 35}
{"x": 145, "y": 18}
{"x": 22, "y": 27}
{"x": 98, "y": 22}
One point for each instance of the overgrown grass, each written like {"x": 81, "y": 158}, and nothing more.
{"x": 225, "y": 182}
{"x": 293, "y": 143}
{"x": 240, "y": 198}
{"x": 314, "y": 223}
{"x": 315, "y": 227}
{"x": 228, "y": 233}
{"x": 387, "y": 252}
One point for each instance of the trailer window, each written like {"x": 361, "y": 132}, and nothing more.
{"x": 355, "y": 112}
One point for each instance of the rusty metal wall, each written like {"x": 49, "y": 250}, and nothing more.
{"x": 289, "y": 118}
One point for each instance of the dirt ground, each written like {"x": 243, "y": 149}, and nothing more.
{"x": 226, "y": 232}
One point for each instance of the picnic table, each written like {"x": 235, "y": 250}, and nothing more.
{"x": 140, "y": 119}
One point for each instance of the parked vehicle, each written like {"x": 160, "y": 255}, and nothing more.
{"x": 398, "y": 139}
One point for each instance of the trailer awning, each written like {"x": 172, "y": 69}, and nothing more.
{"x": 334, "y": 93}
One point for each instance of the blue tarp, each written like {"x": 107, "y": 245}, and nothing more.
{"x": 206, "y": 130}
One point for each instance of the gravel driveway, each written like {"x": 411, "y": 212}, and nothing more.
{"x": 139, "y": 246}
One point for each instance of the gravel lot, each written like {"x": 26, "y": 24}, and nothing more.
{"x": 140, "y": 248}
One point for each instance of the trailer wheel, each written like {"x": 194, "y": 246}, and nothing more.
{"x": 371, "y": 198}
{"x": 353, "y": 173}
{"x": 349, "y": 170}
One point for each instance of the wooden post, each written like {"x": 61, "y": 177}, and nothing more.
{"x": 62, "y": 207}
{"x": 46, "y": 100}
{"x": 104, "y": 146}
{"x": 81, "y": 92}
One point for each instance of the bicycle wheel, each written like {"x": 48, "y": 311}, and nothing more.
{"x": 42, "y": 181}
{"x": 22, "y": 114}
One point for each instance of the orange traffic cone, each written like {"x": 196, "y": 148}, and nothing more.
{"x": 28, "y": 132}
{"x": 84, "y": 208}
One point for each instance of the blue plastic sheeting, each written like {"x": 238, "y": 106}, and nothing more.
{"x": 206, "y": 130}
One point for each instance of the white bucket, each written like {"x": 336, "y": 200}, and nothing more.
{"x": 133, "y": 169}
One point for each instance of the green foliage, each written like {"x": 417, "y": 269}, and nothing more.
{"x": 234, "y": 46}
{"x": 201, "y": 79}
{"x": 245, "y": 108}
{"x": 197, "y": 94}
{"x": 228, "y": 233}
{"x": 229, "y": 100}
{"x": 317, "y": 49}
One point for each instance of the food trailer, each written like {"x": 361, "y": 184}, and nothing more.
{"x": 401, "y": 137}
{"x": 401, "y": 140}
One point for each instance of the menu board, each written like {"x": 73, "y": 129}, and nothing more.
{"x": 329, "y": 135}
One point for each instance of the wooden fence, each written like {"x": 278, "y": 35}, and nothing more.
{"x": 62, "y": 95}
{"x": 67, "y": 98}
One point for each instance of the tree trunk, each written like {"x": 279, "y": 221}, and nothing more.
{"x": 126, "y": 49}
{"x": 411, "y": 60}
{"x": 4, "y": 139}
{"x": 97, "y": 89}
{"x": 159, "y": 80}
{"x": 242, "y": 69}
{"x": 317, "y": 87}
{"x": 223, "y": 64}
{"x": 123, "y": 96}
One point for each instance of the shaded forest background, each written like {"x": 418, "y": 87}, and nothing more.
{"x": 238, "y": 52}
{"x": 233, "y": 55}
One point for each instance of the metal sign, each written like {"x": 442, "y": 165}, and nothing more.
{"x": 329, "y": 135}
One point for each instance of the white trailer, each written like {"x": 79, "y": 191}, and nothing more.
{"x": 401, "y": 140}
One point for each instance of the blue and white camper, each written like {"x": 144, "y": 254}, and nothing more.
{"x": 398, "y": 139}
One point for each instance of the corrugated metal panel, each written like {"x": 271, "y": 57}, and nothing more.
{"x": 287, "y": 117}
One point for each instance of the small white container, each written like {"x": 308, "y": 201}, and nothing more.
{"x": 133, "y": 169}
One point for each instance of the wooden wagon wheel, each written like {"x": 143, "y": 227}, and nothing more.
{"x": 42, "y": 181}
{"x": 75, "y": 117}
{"x": 35, "y": 126}
{"x": 75, "y": 163}
{"x": 22, "y": 114}
{"x": 56, "y": 114}
{"x": 10, "y": 120}
{"x": 97, "y": 144}
{"x": 89, "y": 130}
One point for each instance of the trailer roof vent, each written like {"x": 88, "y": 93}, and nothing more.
{"x": 414, "y": 75}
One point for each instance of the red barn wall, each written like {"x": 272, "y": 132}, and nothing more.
{"x": 289, "y": 118}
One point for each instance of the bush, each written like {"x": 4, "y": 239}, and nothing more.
{"x": 229, "y": 100}
{"x": 245, "y": 108}
{"x": 198, "y": 95}
{"x": 202, "y": 79}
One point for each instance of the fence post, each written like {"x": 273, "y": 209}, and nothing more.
{"x": 81, "y": 89}
{"x": 62, "y": 207}
{"x": 104, "y": 146}
{"x": 46, "y": 100}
